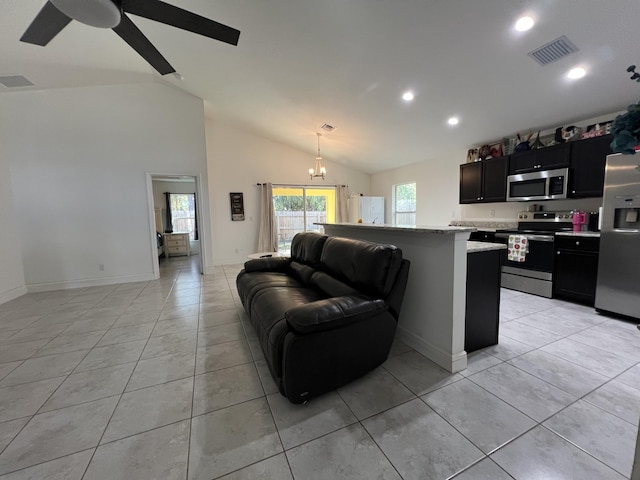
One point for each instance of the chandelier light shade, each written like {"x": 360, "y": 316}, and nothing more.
{"x": 319, "y": 170}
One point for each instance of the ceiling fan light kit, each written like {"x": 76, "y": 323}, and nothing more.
{"x": 57, "y": 14}
{"x": 96, "y": 13}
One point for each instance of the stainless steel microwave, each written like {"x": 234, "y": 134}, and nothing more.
{"x": 541, "y": 185}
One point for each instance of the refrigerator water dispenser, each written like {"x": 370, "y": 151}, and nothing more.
{"x": 627, "y": 212}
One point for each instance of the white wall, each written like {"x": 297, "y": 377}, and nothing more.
{"x": 237, "y": 160}
{"x": 79, "y": 159}
{"x": 12, "y": 283}
{"x": 436, "y": 188}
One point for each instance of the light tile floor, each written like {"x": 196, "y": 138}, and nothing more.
{"x": 166, "y": 380}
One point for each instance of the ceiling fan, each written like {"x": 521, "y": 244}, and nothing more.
{"x": 56, "y": 14}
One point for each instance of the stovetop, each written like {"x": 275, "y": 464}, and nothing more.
{"x": 544, "y": 222}
{"x": 546, "y": 217}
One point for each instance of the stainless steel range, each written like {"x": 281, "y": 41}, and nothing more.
{"x": 534, "y": 274}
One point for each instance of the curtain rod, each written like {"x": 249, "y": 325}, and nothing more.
{"x": 299, "y": 185}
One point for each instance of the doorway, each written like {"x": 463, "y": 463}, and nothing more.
{"x": 174, "y": 207}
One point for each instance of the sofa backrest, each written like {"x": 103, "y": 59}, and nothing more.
{"x": 368, "y": 267}
{"x": 307, "y": 248}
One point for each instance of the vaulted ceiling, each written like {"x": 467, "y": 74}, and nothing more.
{"x": 299, "y": 64}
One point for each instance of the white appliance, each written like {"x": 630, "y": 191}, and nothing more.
{"x": 369, "y": 209}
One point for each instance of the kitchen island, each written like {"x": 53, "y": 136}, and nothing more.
{"x": 432, "y": 319}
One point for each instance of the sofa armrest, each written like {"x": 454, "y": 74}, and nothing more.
{"x": 267, "y": 264}
{"x": 332, "y": 313}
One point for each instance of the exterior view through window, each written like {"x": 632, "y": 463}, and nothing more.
{"x": 404, "y": 204}
{"x": 298, "y": 208}
{"x": 183, "y": 213}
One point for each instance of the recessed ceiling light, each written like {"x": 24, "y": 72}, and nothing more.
{"x": 407, "y": 96}
{"x": 576, "y": 73}
{"x": 453, "y": 121}
{"x": 524, "y": 23}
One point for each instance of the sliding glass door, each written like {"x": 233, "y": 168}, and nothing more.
{"x": 298, "y": 208}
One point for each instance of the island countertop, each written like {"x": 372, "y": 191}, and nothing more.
{"x": 473, "y": 247}
{"x": 440, "y": 229}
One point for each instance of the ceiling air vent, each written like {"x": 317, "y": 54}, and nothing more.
{"x": 13, "y": 81}
{"x": 552, "y": 51}
{"x": 327, "y": 128}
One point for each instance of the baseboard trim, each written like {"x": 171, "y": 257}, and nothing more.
{"x": 451, "y": 362}
{"x": 89, "y": 282}
{"x": 12, "y": 294}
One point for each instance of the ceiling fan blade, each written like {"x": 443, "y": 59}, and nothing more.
{"x": 141, "y": 44}
{"x": 177, "y": 17}
{"x": 47, "y": 24}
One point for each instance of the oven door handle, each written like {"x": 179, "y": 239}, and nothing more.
{"x": 528, "y": 236}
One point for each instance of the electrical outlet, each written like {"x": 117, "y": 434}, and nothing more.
{"x": 101, "y": 267}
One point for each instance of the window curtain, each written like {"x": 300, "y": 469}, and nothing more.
{"x": 195, "y": 220}
{"x": 342, "y": 211}
{"x": 168, "y": 226}
{"x": 268, "y": 236}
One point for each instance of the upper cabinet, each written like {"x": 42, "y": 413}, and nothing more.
{"x": 547, "y": 158}
{"x": 484, "y": 181}
{"x": 588, "y": 160}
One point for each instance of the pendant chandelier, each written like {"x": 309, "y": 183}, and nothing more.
{"x": 319, "y": 171}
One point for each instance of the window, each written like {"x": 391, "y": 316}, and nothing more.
{"x": 298, "y": 208}
{"x": 183, "y": 213}
{"x": 404, "y": 204}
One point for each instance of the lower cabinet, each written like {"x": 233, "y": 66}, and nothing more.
{"x": 575, "y": 271}
{"x": 482, "y": 314}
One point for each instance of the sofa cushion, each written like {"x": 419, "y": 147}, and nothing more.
{"x": 368, "y": 267}
{"x": 251, "y": 283}
{"x": 307, "y": 248}
{"x": 330, "y": 286}
{"x": 301, "y": 272}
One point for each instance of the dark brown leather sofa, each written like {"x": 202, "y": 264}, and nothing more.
{"x": 326, "y": 315}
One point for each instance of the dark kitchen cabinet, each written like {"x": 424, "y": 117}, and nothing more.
{"x": 547, "y": 158}
{"x": 484, "y": 181}
{"x": 575, "y": 269}
{"x": 588, "y": 161}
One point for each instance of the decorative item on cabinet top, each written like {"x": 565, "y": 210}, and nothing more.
{"x": 522, "y": 143}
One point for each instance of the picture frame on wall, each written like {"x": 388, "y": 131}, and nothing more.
{"x": 237, "y": 206}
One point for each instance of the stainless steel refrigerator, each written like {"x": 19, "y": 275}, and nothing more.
{"x": 618, "y": 288}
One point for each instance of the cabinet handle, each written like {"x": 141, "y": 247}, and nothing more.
{"x": 577, "y": 243}
{"x": 573, "y": 191}
{"x": 558, "y": 252}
